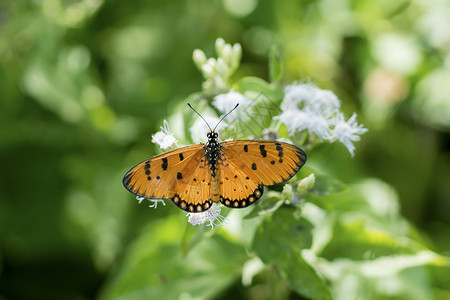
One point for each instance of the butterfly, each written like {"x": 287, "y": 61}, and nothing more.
{"x": 231, "y": 172}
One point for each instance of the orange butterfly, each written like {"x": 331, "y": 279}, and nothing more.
{"x": 232, "y": 172}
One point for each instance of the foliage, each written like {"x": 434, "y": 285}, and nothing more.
{"x": 84, "y": 84}
{"x": 301, "y": 233}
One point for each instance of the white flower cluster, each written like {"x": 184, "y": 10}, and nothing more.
{"x": 307, "y": 107}
{"x": 217, "y": 72}
{"x": 164, "y": 138}
{"x": 226, "y": 102}
{"x": 212, "y": 215}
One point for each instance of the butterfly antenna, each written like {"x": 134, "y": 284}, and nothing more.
{"x": 225, "y": 116}
{"x": 199, "y": 115}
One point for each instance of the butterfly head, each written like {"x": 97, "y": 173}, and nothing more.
{"x": 212, "y": 134}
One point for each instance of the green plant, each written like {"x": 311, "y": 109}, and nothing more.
{"x": 314, "y": 236}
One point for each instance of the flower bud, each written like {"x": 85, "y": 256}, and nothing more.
{"x": 219, "y": 45}
{"x": 306, "y": 184}
{"x": 199, "y": 58}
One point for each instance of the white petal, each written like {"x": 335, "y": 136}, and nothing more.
{"x": 226, "y": 102}
{"x": 347, "y": 132}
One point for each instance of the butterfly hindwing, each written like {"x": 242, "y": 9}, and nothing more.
{"x": 194, "y": 188}
{"x": 251, "y": 165}
{"x": 180, "y": 175}
{"x": 237, "y": 189}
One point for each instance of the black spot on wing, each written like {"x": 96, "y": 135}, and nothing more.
{"x": 246, "y": 148}
{"x": 262, "y": 150}
{"x": 164, "y": 163}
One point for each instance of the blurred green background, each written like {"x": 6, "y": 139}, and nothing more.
{"x": 84, "y": 84}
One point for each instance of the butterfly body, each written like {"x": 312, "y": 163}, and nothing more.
{"x": 232, "y": 172}
{"x": 212, "y": 152}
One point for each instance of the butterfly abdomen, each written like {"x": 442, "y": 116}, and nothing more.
{"x": 215, "y": 190}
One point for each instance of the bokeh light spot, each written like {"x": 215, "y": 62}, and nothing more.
{"x": 240, "y": 8}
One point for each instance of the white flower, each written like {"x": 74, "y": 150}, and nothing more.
{"x": 307, "y": 107}
{"x": 317, "y": 124}
{"x": 226, "y": 102}
{"x": 212, "y": 215}
{"x": 270, "y": 134}
{"x": 293, "y": 119}
{"x": 308, "y": 95}
{"x": 295, "y": 96}
{"x": 347, "y": 132}
{"x": 297, "y": 121}
{"x": 165, "y": 138}
{"x": 154, "y": 202}
{"x": 324, "y": 100}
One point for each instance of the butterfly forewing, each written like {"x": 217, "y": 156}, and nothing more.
{"x": 253, "y": 164}
{"x": 180, "y": 175}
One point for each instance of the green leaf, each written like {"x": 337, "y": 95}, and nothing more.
{"x": 266, "y": 206}
{"x": 256, "y": 88}
{"x": 192, "y": 236}
{"x": 275, "y": 67}
{"x": 265, "y": 105}
{"x": 279, "y": 241}
{"x": 355, "y": 240}
{"x": 324, "y": 185}
{"x": 154, "y": 267}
